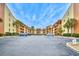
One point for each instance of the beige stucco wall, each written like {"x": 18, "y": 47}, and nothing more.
{"x": 76, "y": 16}
{"x": 69, "y": 14}
{"x": 8, "y": 19}
{"x": 2, "y": 17}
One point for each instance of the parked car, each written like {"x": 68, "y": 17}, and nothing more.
{"x": 23, "y": 34}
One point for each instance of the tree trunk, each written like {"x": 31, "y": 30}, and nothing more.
{"x": 71, "y": 31}
{"x": 67, "y": 30}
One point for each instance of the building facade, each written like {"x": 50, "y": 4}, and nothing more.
{"x": 49, "y": 29}
{"x": 1, "y": 18}
{"x": 72, "y": 12}
{"x": 44, "y": 31}
{"x": 22, "y": 28}
{"x": 7, "y": 22}
{"x": 69, "y": 14}
{"x": 7, "y": 19}
{"x": 56, "y": 27}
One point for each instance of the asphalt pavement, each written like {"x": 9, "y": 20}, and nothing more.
{"x": 38, "y": 45}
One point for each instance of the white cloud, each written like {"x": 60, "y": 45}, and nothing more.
{"x": 33, "y": 18}
{"x": 48, "y": 11}
{"x": 45, "y": 12}
{"x": 55, "y": 12}
{"x": 46, "y": 21}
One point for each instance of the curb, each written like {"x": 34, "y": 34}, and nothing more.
{"x": 2, "y": 37}
{"x": 67, "y": 44}
{"x": 7, "y": 36}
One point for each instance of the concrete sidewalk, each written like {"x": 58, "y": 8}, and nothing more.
{"x": 67, "y": 37}
{"x": 73, "y": 46}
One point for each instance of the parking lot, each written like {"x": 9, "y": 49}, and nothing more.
{"x": 35, "y": 45}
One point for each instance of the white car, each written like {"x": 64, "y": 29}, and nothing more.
{"x": 50, "y": 34}
{"x": 23, "y": 34}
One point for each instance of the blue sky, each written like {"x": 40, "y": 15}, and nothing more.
{"x": 38, "y": 15}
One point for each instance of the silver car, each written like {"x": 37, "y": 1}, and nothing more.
{"x": 23, "y": 34}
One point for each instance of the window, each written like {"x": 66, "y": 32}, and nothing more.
{"x": 9, "y": 24}
{"x": 9, "y": 30}
{"x": 13, "y": 24}
{"x": 22, "y": 31}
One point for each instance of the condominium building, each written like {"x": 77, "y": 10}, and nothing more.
{"x": 22, "y": 28}
{"x": 32, "y": 31}
{"x": 6, "y": 20}
{"x": 1, "y": 18}
{"x": 26, "y": 29}
{"x": 44, "y": 31}
{"x": 56, "y": 27}
{"x": 69, "y": 14}
{"x": 38, "y": 31}
{"x": 35, "y": 31}
{"x": 50, "y": 29}
{"x": 72, "y": 12}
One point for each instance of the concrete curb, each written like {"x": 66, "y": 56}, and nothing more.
{"x": 67, "y": 44}
{"x": 8, "y": 36}
{"x": 1, "y": 37}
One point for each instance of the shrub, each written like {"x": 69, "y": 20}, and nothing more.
{"x": 75, "y": 35}
{"x": 11, "y": 34}
{"x": 1, "y": 34}
{"x": 69, "y": 35}
{"x": 14, "y": 34}
{"x": 7, "y": 34}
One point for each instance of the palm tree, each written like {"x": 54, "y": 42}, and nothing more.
{"x": 60, "y": 31}
{"x": 70, "y": 24}
{"x": 67, "y": 25}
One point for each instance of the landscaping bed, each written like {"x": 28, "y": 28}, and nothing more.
{"x": 71, "y": 35}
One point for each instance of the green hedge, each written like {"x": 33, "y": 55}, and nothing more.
{"x": 11, "y": 34}
{"x": 15, "y": 34}
{"x": 69, "y": 35}
{"x": 75, "y": 35}
{"x": 7, "y": 34}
